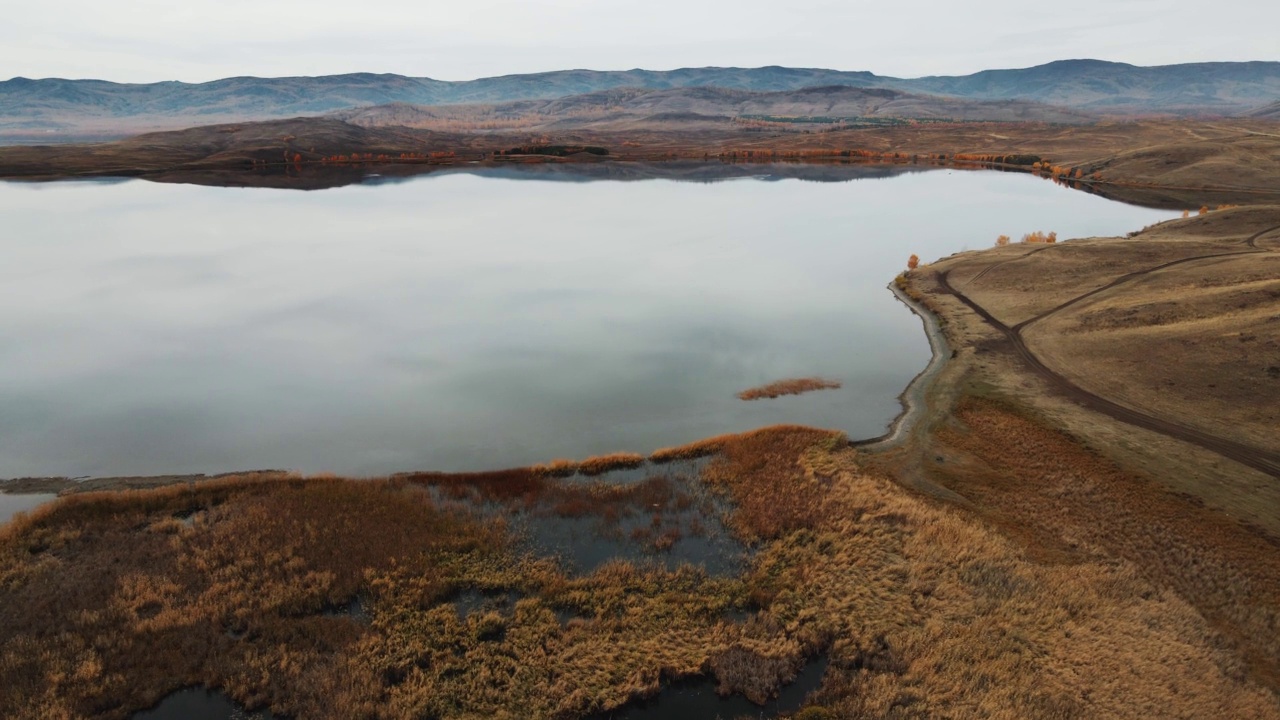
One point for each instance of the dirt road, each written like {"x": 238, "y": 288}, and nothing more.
{"x": 1257, "y": 458}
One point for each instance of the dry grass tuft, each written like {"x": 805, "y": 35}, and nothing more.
{"x": 557, "y": 468}
{"x": 794, "y": 386}
{"x": 692, "y": 451}
{"x": 765, "y": 473}
{"x": 601, "y": 464}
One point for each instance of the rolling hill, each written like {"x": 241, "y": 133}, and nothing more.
{"x": 1094, "y": 85}
{"x": 60, "y": 108}
{"x": 634, "y": 108}
{"x": 1269, "y": 112}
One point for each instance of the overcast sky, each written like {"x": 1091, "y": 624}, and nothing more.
{"x": 199, "y": 40}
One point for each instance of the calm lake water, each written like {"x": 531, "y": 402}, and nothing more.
{"x": 11, "y": 505}
{"x": 468, "y": 320}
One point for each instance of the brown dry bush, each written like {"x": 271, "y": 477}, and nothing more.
{"x": 794, "y": 386}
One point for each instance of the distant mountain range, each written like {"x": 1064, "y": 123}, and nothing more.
{"x": 1271, "y": 111}
{"x": 623, "y": 109}
{"x": 98, "y": 107}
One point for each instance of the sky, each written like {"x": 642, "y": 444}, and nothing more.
{"x": 201, "y": 40}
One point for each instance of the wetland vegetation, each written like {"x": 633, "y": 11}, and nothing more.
{"x": 794, "y": 386}
{"x": 118, "y": 599}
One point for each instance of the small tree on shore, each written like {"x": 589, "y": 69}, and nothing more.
{"x": 913, "y": 262}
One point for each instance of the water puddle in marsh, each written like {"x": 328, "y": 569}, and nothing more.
{"x": 199, "y": 704}
{"x": 650, "y": 514}
{"x": 11, "y": 505}
{"x": 697, "y": 700}
{"x": 469, "y": 602}
{"x": 354, "y": 609}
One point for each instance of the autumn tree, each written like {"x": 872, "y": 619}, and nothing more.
{"x": 913, "y": 262}
{"x": 1002, "y": 240}
{"x": 1040, "y": 237}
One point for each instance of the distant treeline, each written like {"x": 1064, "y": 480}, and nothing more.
{"x": 1029, "y": 160}
{"x": 555, "y": 150}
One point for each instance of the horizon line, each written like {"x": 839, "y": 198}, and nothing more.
{"x": 636, "y": 69}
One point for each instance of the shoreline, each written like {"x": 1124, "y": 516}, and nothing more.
{"x": 912, "y": 400}
{"x": 913, "y": 397}
{"x": 235, "y": 173}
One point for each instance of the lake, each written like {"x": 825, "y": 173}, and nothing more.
{"x": 470, "y": 319}
{"x": 11, "y": 505}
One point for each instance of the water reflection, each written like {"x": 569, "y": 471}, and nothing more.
{"x": 698, "y": 700}
{"x": 11, "y": 505}
{"x": 199, "y": 704}
{"x": 463, "y": 321}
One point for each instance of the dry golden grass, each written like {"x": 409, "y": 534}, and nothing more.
{"x": 601, "y": 464}
{"x": 116, "y": 602}
{"x": 794, "y": 386}
{"x": 691, "y": 451}
{"x": 1191, "y": 343}
{"x": 759, "y": 472}
{"x": 557, "y": 468}
{"x": 1020, "y": 281}
{"x": 1198, "y": 342}
{"x": 122, "y": 602}
{"x": 112, "y": 601}
{"x": 1056, "y": 491}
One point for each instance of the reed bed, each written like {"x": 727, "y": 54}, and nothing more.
{"x": 113, "y": 600}
{"x": 557, "y": 468}
{"x": 601, "y": 464}
{"x": 692, "y": 451}
{"x": 793, "y": 386}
